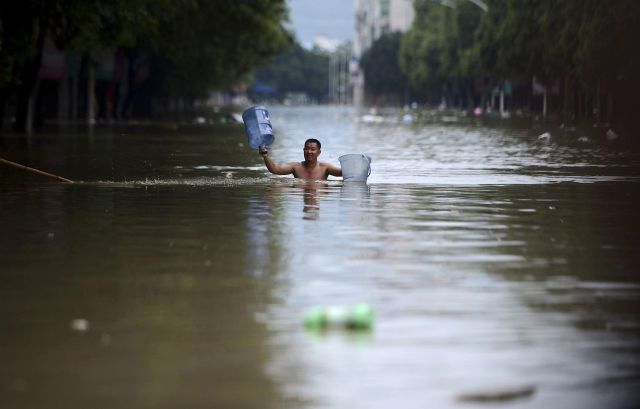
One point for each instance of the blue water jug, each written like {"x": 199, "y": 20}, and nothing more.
{"x": 257, "y": 126}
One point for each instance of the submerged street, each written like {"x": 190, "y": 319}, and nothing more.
{"x": 500, "y": 266}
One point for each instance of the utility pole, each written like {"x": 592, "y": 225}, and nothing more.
{"x": 330, "y": 83}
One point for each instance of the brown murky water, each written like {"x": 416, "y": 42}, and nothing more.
{"x": 500, "y": 267}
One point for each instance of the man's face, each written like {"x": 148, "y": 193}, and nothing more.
{"x": 311, "y": 151}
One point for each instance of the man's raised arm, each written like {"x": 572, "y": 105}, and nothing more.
{"x": 285, "y": 169}
{"x": 334, "y": 170}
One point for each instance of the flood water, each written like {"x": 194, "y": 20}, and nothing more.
{"x": 503, "y": 269}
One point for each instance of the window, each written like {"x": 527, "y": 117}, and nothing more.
{"x": 384, "y": 8}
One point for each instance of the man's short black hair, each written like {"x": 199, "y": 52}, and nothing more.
{"x": 313, "y": 140}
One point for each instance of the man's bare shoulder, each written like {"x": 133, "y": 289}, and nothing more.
{"x": 327, "y": 165}
{"x": 331, "y": 169}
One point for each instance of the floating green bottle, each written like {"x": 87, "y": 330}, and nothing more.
{"x": 358, "y": 317}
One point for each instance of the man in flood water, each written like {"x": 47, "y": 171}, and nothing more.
{"x": 310, "y": 168}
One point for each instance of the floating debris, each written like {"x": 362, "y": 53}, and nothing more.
{"x": 375, "y": 119}
{"x": 106, "y": 339}
{"x": 498, "y": 395}
{"x": 358, "y": 317}
{"x": 79, "y": 324}
{"x": 237, "y": 117}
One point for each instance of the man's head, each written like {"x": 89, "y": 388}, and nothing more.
{"x": 313, "y": 140}
{"x": 311, "y": 149}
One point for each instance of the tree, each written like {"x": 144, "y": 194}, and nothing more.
{"x": 588, "y": 43}
{"x": 197, "y": 45}
{"x": 435, "y": 54}
{"x": 70, "y": 23}
{"x": 381, "y": 66}
{"x": 420, "y": 50}
{"x": 210, "y": 44}
{"x": 297, "y": 70}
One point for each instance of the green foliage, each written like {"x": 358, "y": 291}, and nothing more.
{"x": 81, "y": 24}
{"x": 210, "y": 44}
{"x": 420, "y": 48}
{"x": 602, "y": 38}
{"x": 19, "y": 31}
{"x": 437, "y": 50}
{"x": 587, "y": 43}
{"x": 85, "y": 25}
{"x": 297, "y": 70}
{"x": 200, "y": 44}
{"x": 380, "y": 65}
{"x": 585, "y": 39}
{"x": 517, "y": 37}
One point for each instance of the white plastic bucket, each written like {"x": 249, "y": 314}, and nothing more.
{"x": 356, "y": 167}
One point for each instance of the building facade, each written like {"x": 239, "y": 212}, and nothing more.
{"x": 374, "y": 18}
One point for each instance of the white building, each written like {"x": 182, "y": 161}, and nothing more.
{"x": 376, "y": 17}
{"x": 372, "y": 19}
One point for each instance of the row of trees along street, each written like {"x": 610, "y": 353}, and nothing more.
{"x": 173, "y": 49}
{"x": 577, "y": 59}
{"x": 303, "y": 76}
{"x": 298, "y": 71}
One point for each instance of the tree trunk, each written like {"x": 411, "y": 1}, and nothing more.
{"x": 28, "y": 82}
{"x": 63, "y": 100}
{"x": 91, "y": 84}
{"x": 597, "y": 109}
{"x": 570, "y": 101}
{"x": 610, "y": 106}
{"x": 127, "y": 104}
{"x": 75, "y": 103}
{"x": 3, "y": 94}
